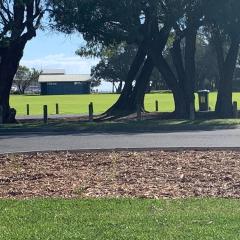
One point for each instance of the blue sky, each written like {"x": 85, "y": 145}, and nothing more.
{"x": 56, "y": 50}
{"x": 51, "y": 50}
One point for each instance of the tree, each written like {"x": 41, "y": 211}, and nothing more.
{"x": 183, "y": 22}
{"x": 105, "y": 23}
{"x": 25, "y": 77}
{"x": 19, "y": 21}
{"x": 135, "y": 22}
{"x": 157, "y": 28}
{"x": 223, "y": 19}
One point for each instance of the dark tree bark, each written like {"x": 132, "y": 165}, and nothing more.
{"x": 176, "y": 53}
{"x": 143, "y": 81}
{"x": 226, "y": 67}
{"x": 10, "y": 59}
{"x": 190, "y": 66}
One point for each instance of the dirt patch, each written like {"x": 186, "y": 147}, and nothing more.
{"x": 153, "y": 174}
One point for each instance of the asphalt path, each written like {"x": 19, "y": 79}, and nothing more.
{"x": 84, "y": 141}
{"x": 53, "y": 116}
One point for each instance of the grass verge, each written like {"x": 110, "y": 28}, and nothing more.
{"x": 121, "y": 127}
{"x": 120, "y": 219}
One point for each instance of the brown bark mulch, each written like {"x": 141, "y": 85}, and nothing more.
{"x": 151, "y": 174}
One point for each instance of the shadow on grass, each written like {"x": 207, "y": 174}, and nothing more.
{"x": 56, "y": 127}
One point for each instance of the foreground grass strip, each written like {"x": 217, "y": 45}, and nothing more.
{"x": 120, "y": 219}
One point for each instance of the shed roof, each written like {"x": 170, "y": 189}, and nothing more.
{"x": 53, "y": 72}
{"x": 64, "y": 78}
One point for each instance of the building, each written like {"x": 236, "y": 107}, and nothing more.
{"x": 56, "y": 82}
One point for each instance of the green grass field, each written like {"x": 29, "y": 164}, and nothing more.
{"x": 78, "y": 104}
{"x": 120, "y": 219}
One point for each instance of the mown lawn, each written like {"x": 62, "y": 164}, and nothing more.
{"x": 120, "y": 219}
{"x": 78, "y": 104}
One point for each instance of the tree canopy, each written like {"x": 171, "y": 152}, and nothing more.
{"x": 167, "y": 35}
{"x": 154, "y": 26}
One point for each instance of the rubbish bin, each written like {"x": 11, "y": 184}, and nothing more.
{"x": 203, "y": 97}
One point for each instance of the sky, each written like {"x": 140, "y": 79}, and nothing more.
{"x": 50, "y": 50}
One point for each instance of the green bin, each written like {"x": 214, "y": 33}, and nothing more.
{"x": 203, "y": 97}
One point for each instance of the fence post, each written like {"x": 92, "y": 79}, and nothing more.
{"x": 139, "y": 112}
{"x": 192, "y": 112}
{"x": 45, "y": 114}
{"x": 1, "y": 114}
{"x": 157, "y": 106}
{"x": 28, "y": 110}
{"x": 90, "y": 108}
{"x": 57, "y": 109}
{"x": 235, "y": 110}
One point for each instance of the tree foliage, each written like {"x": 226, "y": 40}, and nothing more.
{"x": 19, "y": 20}
{"x": 25, "y": 77}
{"x": 172, "y": 36}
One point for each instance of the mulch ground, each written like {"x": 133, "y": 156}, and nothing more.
{"x": 152, "y": 174}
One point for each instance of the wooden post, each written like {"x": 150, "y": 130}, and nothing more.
{"x": 192, "y": 112}
{"x": 90, "y": 108}
{"x": 1, "y": 114}
{"x": 157, "y": 106}
{"x": 45, "y": 114}
{"x": 139, "y": 112}
{"x": 28, "y": 110}
{"x": 57, "y": 109}
{"x": 235, "y": 110}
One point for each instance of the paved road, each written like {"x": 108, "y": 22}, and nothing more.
{"x": 51, "y": 142}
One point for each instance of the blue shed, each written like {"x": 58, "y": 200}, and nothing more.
{"x": 59, "y": 83}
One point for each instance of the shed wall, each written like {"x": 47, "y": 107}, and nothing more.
{"x": 64, "y": 88}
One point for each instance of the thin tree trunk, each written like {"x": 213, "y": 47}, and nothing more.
{"x": 137, "y": 97}
{"x": 177, "y": 59}
{"x": 172, "y": 83}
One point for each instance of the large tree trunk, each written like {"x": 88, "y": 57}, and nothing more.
{"x": 226, "y": 73}
{"x": 186, "y": 69}
{"x": 122, "y": 104}
{"x": 8, "y": 67}
{"x": 190, "y": 67}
